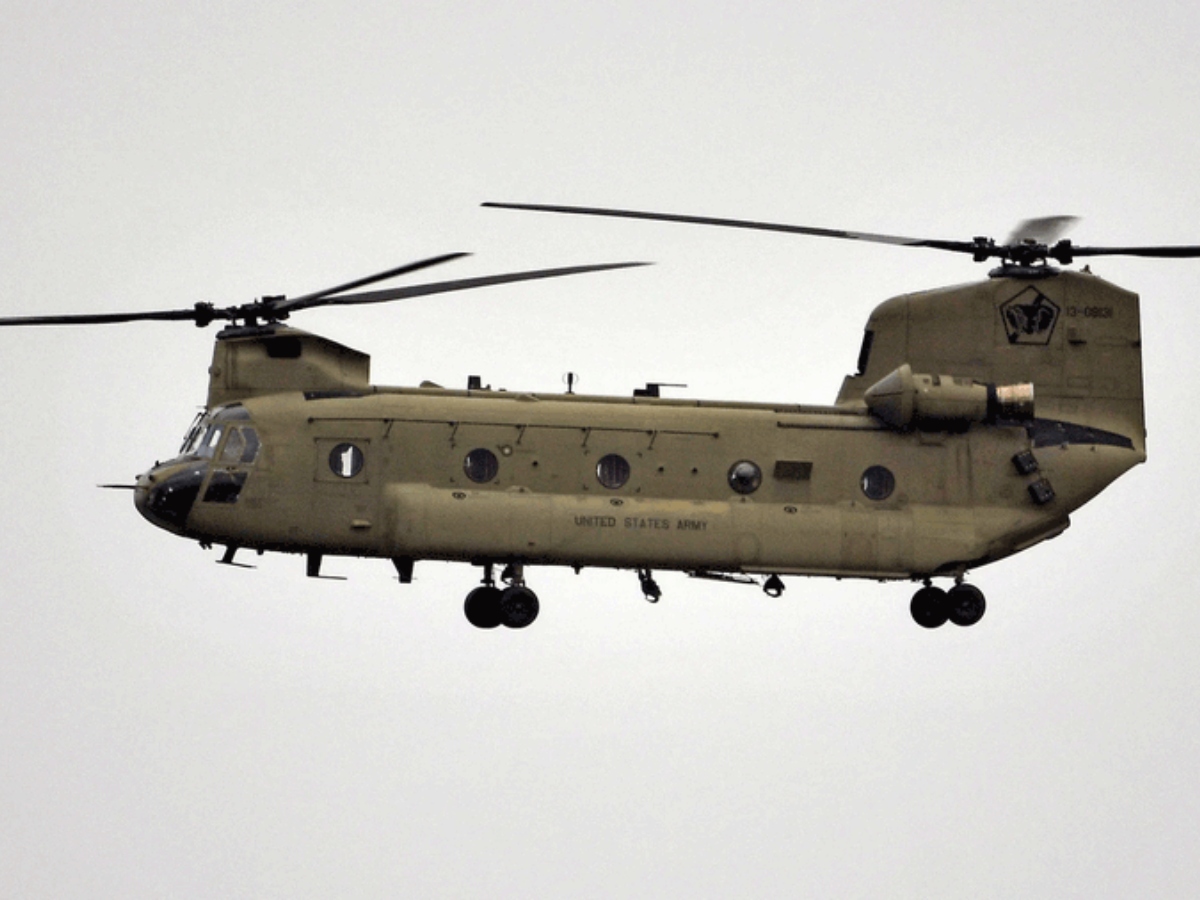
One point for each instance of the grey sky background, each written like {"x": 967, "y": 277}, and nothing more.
{"x": 169, "y": 727}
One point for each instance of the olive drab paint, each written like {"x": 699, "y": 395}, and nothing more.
{"x": 981, "y": 417}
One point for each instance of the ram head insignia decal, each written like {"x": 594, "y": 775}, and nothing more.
{"x": 1029, "y": 317}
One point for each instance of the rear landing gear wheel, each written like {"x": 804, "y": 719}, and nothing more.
{"x": 965, "y": 604}
{"x": 518, "y": 606}
{"x": 929, "y": 607}
{"x": 482, "y": 607}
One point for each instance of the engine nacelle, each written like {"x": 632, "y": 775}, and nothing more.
{"x": 904, "y": 399}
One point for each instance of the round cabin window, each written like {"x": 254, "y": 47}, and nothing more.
{"x": 745, "y": 477}
{"x": 878, "y": 483}
{"x": 612, "y": 471}
{"x": 481, "y": 465}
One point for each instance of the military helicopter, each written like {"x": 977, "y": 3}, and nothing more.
{"x": 979, "y": 418}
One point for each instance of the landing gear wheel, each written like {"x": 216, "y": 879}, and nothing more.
{"x": 965, "y": 604}
{"x": 482, "y": 607}
{"x": 518, "y": 606}
{"x": 929, "y": 607}
{"x": 650, "y": 589}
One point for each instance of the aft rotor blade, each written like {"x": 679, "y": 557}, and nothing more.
{"x": 309, "y": 300}
{"x": 979, "y": 248}
{"x": 465, "y": 284}
{"x": 201, "y": 314}
{"x": 955, "y": 246}
{"x": 1042, "y": 230}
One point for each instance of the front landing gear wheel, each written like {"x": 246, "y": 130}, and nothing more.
{"x": 518, "y": 606}
{"x": 965, "y": 604}
{"x": 929, "y": 607}
{"x": 483, "y": 607}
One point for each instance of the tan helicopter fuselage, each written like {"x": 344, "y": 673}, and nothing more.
{"x": 934, "y": 459}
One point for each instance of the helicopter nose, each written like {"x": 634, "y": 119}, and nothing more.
{"x": 165, "y": 494}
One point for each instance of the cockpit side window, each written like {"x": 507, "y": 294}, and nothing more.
{"x": 234, "y": 459}
{"x": 235, "y": 444}
{"x": 251, "y": 438}
{"x": 240, "y": 447}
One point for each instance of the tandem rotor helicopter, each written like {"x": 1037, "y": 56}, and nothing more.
{"x": 980, "y": 416}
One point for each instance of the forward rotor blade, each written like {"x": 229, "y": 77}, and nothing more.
{"x": 270, "y": 309}
{"x": 200, "y": 314}
{"x": 955, "y": 246}
{"x": 1168, "y": 252}
{"x": 464, "y": 284}
{"x": 309, "y": 300}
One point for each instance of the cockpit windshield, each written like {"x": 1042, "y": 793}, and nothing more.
{"x": 204, "y": 435}
{"x": 192, "y": 437}
{"x": 208, "y": 444}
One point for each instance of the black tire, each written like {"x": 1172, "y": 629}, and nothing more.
{"x": 518, "y": 607}
{"x": 929, "y": 607}
{"x": 965, "y": 604}
{"x": 482, "y": 607}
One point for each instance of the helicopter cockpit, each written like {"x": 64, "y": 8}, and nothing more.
{"x": 217, "y": 454}
{"x": 208, "y": 428}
